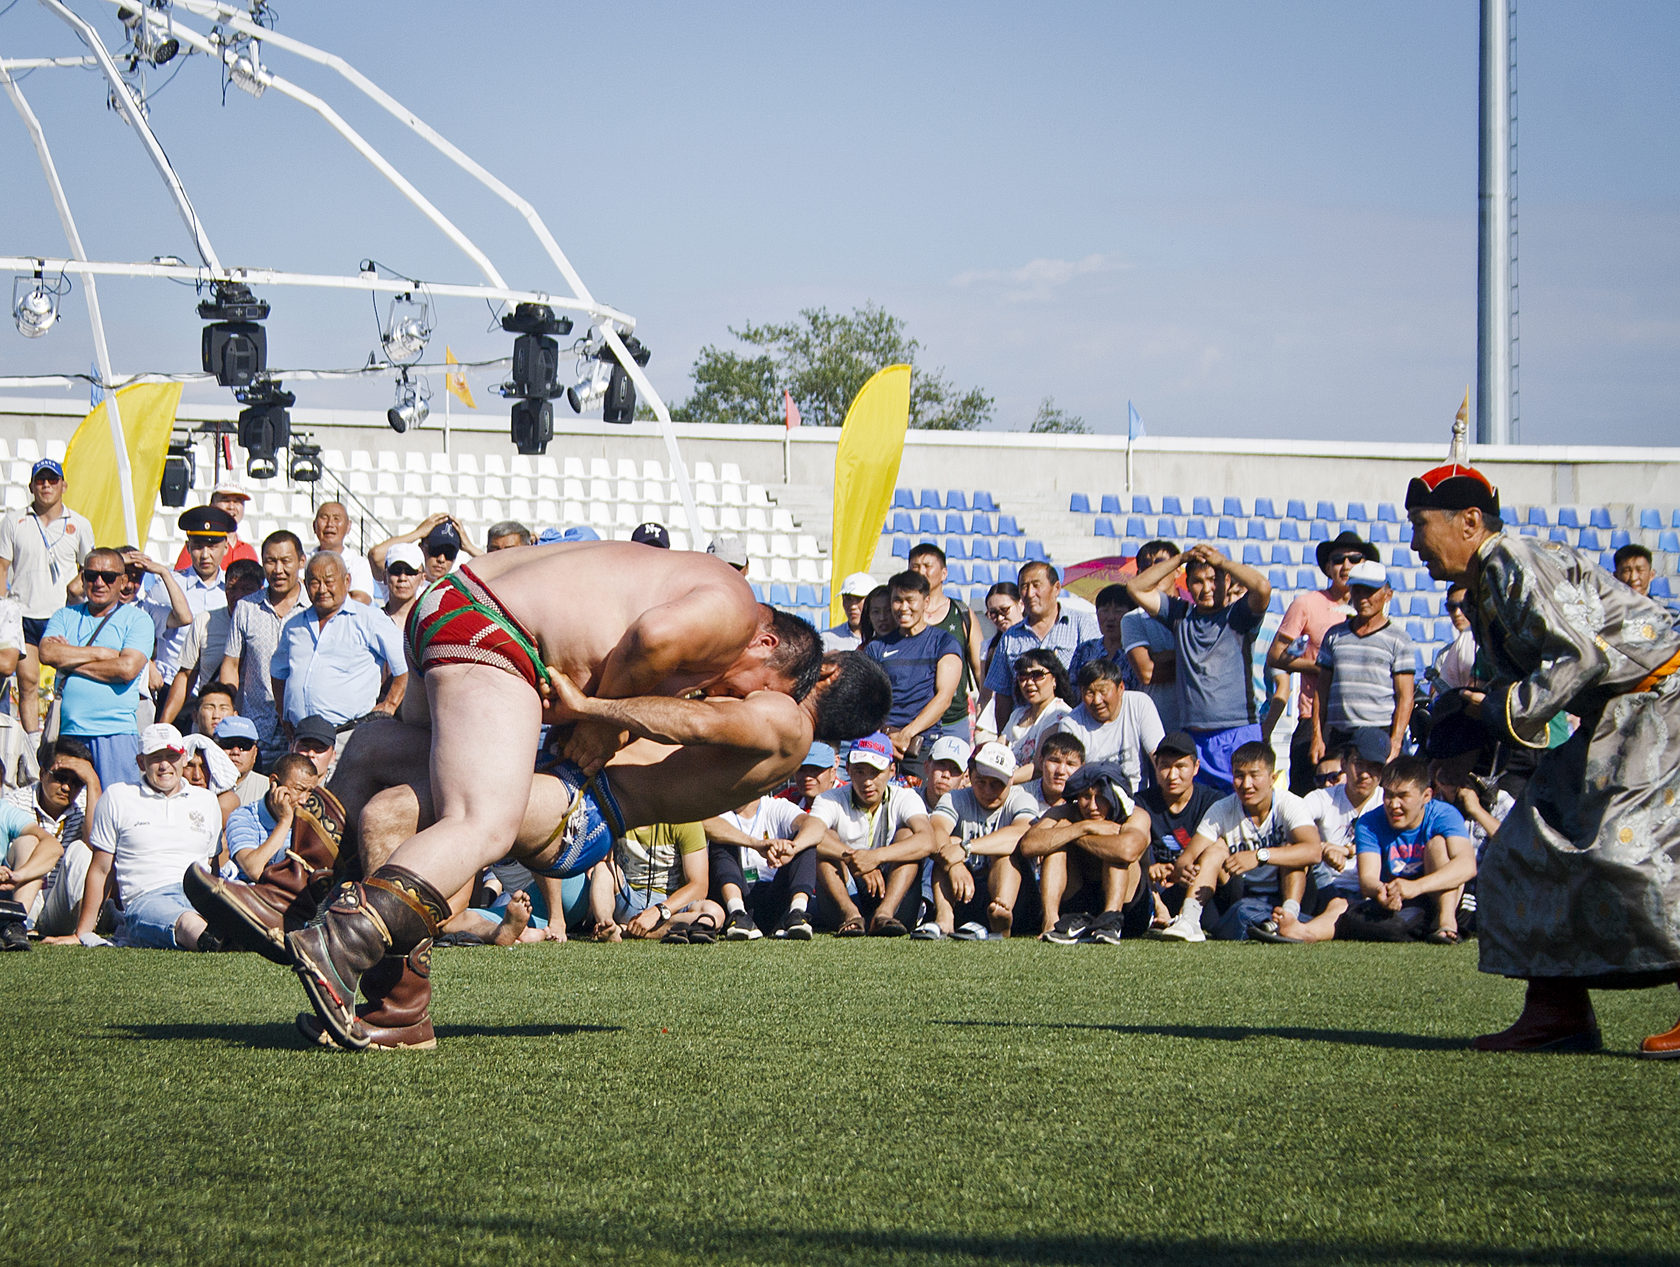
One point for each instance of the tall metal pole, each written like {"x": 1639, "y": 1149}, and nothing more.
{"x": 1493, "y": 244}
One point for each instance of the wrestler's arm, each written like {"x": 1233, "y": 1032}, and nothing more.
{"x": 751, "y": 724}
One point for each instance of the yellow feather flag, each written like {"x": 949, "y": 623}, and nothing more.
{"x": 92, "y": 484}
{"x": 456, "y": 381}
{"x": 865, "y": 470}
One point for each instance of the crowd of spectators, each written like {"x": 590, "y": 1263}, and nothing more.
{"x": 1168, "y": 761}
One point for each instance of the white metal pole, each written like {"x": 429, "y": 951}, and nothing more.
{"x": 1493, "y": 242}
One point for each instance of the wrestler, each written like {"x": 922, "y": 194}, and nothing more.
{"x": 1580, "y": 887}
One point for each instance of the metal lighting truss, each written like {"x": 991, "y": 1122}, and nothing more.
{"x": 242, "y": 55}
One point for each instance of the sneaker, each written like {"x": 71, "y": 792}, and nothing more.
{"x": 1180, "y": 928}
{"x": 1068, "y": 930}
{"x": 1104, "y": 930}
{"x": 13, "y": 935}
{"x": 928, "y": 932}
{"x": 739, "y": 926}
{"x": 795, "y": 926}
{"x": 974, "y": 930}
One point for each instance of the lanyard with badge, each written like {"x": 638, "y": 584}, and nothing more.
{"x": 47, "y": 545}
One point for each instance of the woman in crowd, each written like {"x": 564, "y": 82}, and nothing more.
{"x": 1044, "y": 697}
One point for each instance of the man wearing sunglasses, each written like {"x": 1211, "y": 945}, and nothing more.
{"x": 41, "y": 548}
{"x": 45, "y": 859}
{"x": 101, "y": 648}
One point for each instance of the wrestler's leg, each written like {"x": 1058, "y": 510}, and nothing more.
{"x": 381, "y": 754}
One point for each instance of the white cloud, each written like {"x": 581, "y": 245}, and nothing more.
{"x": 1037, "y": 279}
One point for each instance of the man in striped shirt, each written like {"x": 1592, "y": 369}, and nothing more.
{"x": 1044, "y": 623}
{"x": 1367, "y": 667}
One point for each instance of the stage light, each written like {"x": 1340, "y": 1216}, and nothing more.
{"x": 412, "y": 407}
{"x": 306, "y": 462}
{"x": 536, "y": 373}
{"x": 619, "y": 402}
{"x": 152, "y": 31}
{"x": 264, "y": 427}
{"x": 589, "y": 389}
{"x": 533, "y": 425}
{"x": 406, "y": 330}
{"x": 34, "y": 306}
{"x": 235, "y": 347}
{"x": 178, "y": 473}
{"x": 246, "y": 74}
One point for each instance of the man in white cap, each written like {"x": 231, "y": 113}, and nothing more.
{"x": 144, "y": 836}
{"x": 404, "y": 565}
{"x": 732, "y": 550}
{"x": 848, "y": 634}
{"x": 1366, "y": 669}
{"x": 985, "y": 820}
{"x": 231, "y": 500}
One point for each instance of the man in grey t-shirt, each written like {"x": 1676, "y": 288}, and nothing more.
{"x": 1367, "y": 667}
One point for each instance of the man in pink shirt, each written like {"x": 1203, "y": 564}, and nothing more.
{"x": 1310, "y": 617}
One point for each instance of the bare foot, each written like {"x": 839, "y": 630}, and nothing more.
{"x": 1001, "y": 919}
{"x": 608, "y": 931}
{"x": 515, "y": 919}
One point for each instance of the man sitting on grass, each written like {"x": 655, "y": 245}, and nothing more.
{"x": 754, "y": 891}
{"x": 1184, "y": 880}
{"x": 1414, "y": 856}
{"x": 986, "y": 820}
{"x": 1337, "y": 808}
{"x": 1090, "y": 850}
{"x": 653, "y": 885}
{"x": 1270, "y": 840}
{"x": 1058, "y": 757}
{"x": 257, "y": 833}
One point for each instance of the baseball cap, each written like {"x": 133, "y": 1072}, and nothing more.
{"x": 555, "y": 536}
{"x": 161, "y": 737}
{"x": 950, "y": 748}
{"x": 860, "y": 584}
{"x": 732, "y": 550}
{"x": 652, "y": 534}
{"x": 1176, "y": 743}
{"x": 442, "y": 540}
{"x": 821, "y": 754}
{"x": 1370, "y": 575}
{"x": 875, "y": 750}
{"x": 996, "y": 760}
{"x": 317, "y": 729}
{"x": 225, "y": 489}
{"x": 405, "y": 554}
{"x": 236, "y": 727}
{"x": 1371, "y": 745}
{"x": 46, "y": 466}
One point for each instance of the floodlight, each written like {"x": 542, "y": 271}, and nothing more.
{"x": 412, "y": 407}
{"x": 265, "y": 427}
{"x": 178, "y": 472}
{"x": 589, "y": 389}
{"x": 152, "y": 31}
{"x": 306, "y": 462}
{"x": 34, "y": 305}
{"x": 533, "y": 425}
{"x": 406, "y": 330}
{"x": 235, "y": 347}
{"x": 619, "y": 402}
{"x": 247, "y": 73}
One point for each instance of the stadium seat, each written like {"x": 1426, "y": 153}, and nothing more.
{"x": 1326, "y": 511}
{"x": 1668, "y": 541}
{"x": 1111, "y": 504}
{"x": 980, "y": 548}
{"x": 1278, "y": 577}
{"x": 1600, "y": 518}
{"x": 1388, "y": 513}
{"x": 1378, "y": 532}
{"x": 927, "y": 522}
{"x": 1357, "y": 513}
{"x": 1166, "y": 528}
{"x": 1035, "y": 550}
{"x": 901, "y": 547}
{"x": 1264, "y": 509}
{"x": 1589, "y": 539}
{"x": 1008, "y": 549}
{"x": 983, "y": 501}
{"x": 1102, "y": 526}
{"x": 1226, "y": 529}
{"x": 1320, "y": 531}
{"x": 1660, "y": 587}
{"x": 903, "y": 499}
{"x": 956, "y": 548}
{"x": 954, "y": 522}
{"x": 1416, "y": 631}
{"x": 929, "y": 499}
{"x": 1651, "y": 520}
{"x": 760, "y": 592}
{"x": 1567, "y": 518}
{"x": 1171, "y": 506}
{"x": 1619, "y": 538}
{"x": 1233, "y": 507}
{"x": 1079, "y": 504}
{"x": 1397, "y": 580}
{"x": 1196, "y": 530}
{"x": 808, "y": 596}
{"x": 1252, "y": 555}
{"x": 780, "y": 595}
{"x": 1420, "y": 606}
{"x": 1307, "y": 578}
{"x": 1258, "y": 531}
{"x": 1560, "y": 534}
{"x": 956, "y": 499}
{"x": 957, "y": 573}
{"x": 1674, "y": 519}
{"x": 1141, "y": 505}
{"x": 1275, "y": 604}
{"x": 1289, "y": 530}
{"x": 1007, "y": 527}
{"x": 1283, "y": 554}
{"x": 981, "y": 524}
{"x": 1297, "y": 509}
{"x": 1537, "y": 516}
{"x": 980, "y": 573}
{"x": 1202, "y": 506}
{"x": 1135, "y": 527}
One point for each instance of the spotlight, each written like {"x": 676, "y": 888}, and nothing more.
{"x": 619, "y": 403}
{"x": 247, "y": 74}
{"x": 34, "y": 306}
{"x": 589, "y": 389}
{"x": 306, "y": 462}
{"x": 264, "y": 427}
{"x": 235, "y": 347}
{"x": 177, "y": 472}
{"x": 406, "y": 330}
{"x": 412, "y": 407}
{"x": 152, "y": 32}
{"x": 533, "y": 425}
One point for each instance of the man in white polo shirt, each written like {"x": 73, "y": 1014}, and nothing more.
{"x": 144, "y": 836}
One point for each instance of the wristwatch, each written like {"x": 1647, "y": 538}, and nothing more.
{"x": 664, "y": 911}
{"x": 1263, "y": 856}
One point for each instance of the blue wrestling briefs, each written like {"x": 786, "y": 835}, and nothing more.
{"x": 590, "y": 825}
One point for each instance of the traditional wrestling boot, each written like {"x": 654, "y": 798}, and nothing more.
{"x": 1556, "y": 1016}
{"x": 397, "y": 1012}
{"x": 257, "y": 915}
{"x": 392, "y": 910}
{"x": 1662, "y": 1046}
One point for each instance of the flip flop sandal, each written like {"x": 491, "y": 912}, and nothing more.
{"x": 1267, "y": 931}
{"x": 888, "y": 927}
{"x": 677, "y": 936}
{"x": 702, "y": 932}
{"x": 851, "y": 928}
{"x": 1443, "y": 937}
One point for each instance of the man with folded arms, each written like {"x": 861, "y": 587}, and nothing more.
{"x": 986, "y": 820}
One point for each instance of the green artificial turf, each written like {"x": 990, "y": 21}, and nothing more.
{"x": 881, "y": 1102}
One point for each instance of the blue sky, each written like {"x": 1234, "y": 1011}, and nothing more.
{"x": 1249, "y": 219}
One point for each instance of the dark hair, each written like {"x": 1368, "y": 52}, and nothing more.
{"x": 1406, "y": 770}
{"x": 866, "y": 627}
{"x": 290, "y": 763}
{"x": 218, "y": 688}
{"x": 1633, "y": 550}
{"x": 1043, "y": 659}
{"x": 64, "y": 746}
{"x": 855, "y": 701}
{"x": 284, "y": 536}
{"x": 1196, "y": 565}
{"x": 799, "y": 655}
{"x": 1115, "y": 596}
{"x": 1254, "y": 753}
{"x": 1157, "y": 547}
{"x": 1007, "y": 588}
{"x": 1060, "y": 744}
{"x": 248, "y": 571}
{"x": 1100, "y": 670}
{"x": 908, "y": 582}
{"x": 926, "y": 548}
{"x": 1049, "y": 570}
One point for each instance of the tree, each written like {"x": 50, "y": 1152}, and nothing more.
{"x": 1050, "y": 420}
{"x": 823, "y": 360}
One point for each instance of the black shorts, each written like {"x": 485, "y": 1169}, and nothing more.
{"x": 33, "y": 631}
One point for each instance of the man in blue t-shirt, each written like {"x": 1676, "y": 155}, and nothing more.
{"x": 1215, "y": 634}
{"x": 923, "y": 662}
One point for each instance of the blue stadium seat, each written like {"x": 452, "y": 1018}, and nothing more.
{"x": 1619, "y": 538}
{"x": 1537, "y": 516}
{"x": 1035, "y": 550}
{"x": 1111, "y": 504}
{"x": 901, "y": 549}
{"x": 808, "y": 596}
{"x": 759, "y": 592}
{"x": 1202, "y": 506}
{"x": 1171, "y": 506}
{"x": 980, "y": 548}
{"x": 983, "y": 501}
{"x": 1007, "y": 549}
{"x": 929, "y": 499}
{"x": 1668, "y": 541}
{"x": 1129, "y": 547}
{"x": 1166, "y": 528}
{"x": 1234, "y": 508}
{"x": 1674, "y": 519}
{"x": 1404, "y": 558}
{"x": 1651, "y": 520}
{"x": 957, "y": 574}
{"x": 1283, "y": 554}
{"x": 1253, "y": 556}
{"x": 1326, "y": 511}
{"x": 1421, "y": 606}
{"x": 977, "y": 597}
{"x": 1275, "y": 603}
{"x": 1289, "y": 530}
{"x": 1560, "y": 534}
{"x": 1103, "y": 526}
{"x": 1195, "y": 529}
{"x": 1589, "y": 539}
{"x": 1307, "y": 578}
{"x": 1528, "y": 530}
{"x": 902, "y": 522}
{"x": 956, "y": 521}
{"x": 1320, "y": 531}
{"x": 1135, "y": 527}
{"x": 903, "y": 499}
{"x": 1444, "y": 631}
{"x": 980, "y": 573}
{"x": 1007, "y": 527}
{"x": 1397, "y": 580}
{"x": 1141, "y": 505}
{"x": 956, "y": 548}
{"x": 1357, "y": 513}
{"x": 1297, "y": 509}
{"x": 1388, "y": 513}
{"x": 1378, "y": 532}
{"x": 1227, "y": 529}
{"x": 956, "y": 499}
{"x": 1600, "y": 518}
{"x": 981, "y": 524}
{"x": 1607, "y": 561}
{"x": 780, "y": 595}
{"x": 928, "y": 521}
{"x": 1278, "y": 577}
{"x": 1660, "y": 587}
{"x": 1264, "y": 509}
{"x": 1258, "y": 531}
{"x": 1416, "y": 631}
{"x": 1567, "y": 518}
{"x": 1079, "y": 504}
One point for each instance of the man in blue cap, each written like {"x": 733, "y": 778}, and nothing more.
{"x": 41, "y": 548}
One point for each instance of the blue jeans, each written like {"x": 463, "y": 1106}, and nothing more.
{"x": 149, "y": 917}
{"x": 1233, "y": 924}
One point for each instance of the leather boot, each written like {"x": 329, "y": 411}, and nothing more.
{"x": 397, "y": 1011}
{"x": 1662, "y": 1046}
{"x": 258, "y": 914}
